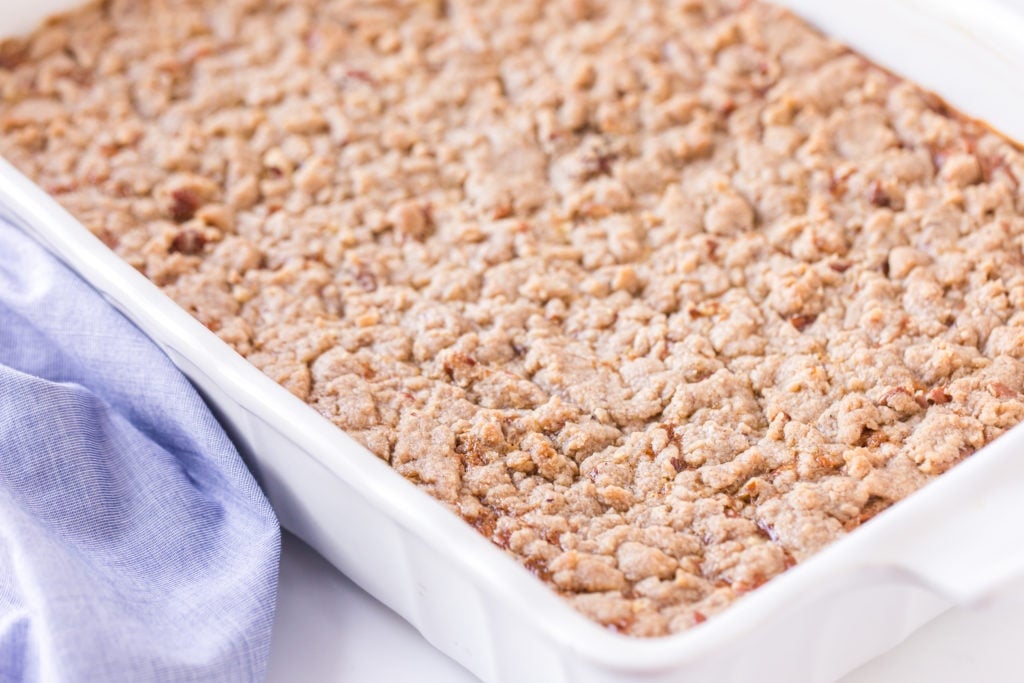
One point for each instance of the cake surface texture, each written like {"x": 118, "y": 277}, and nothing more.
{"x": 660, "y": 296}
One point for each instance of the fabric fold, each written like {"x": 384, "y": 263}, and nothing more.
{"x": 134, "y": 544}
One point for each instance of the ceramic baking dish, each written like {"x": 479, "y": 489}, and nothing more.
{"x": 950, "y": 543}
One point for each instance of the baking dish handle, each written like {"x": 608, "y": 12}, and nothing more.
{"x": 978, "y": 546}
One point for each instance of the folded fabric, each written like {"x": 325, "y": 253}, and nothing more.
{"x": 134, "y": 544}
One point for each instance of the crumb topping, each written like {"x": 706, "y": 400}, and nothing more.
{"x": 662, "y": 297}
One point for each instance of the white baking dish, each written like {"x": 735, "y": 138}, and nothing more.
{"x": 950, "y": 543}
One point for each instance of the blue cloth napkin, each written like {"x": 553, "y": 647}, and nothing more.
{"x": 134, "y": 544}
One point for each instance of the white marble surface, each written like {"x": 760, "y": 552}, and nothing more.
{"x": 328, "y": 630}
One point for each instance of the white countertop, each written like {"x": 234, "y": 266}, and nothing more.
{"x": 329, "y": 630}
